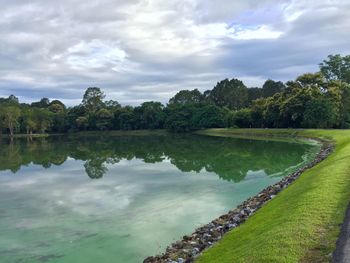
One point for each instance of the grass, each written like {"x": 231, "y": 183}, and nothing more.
{"x": 302, "y": 223}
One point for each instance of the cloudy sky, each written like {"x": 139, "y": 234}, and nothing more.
{"x": 139, "y": 50}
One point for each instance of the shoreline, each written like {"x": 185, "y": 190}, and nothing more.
{"x": 204, "y": 237}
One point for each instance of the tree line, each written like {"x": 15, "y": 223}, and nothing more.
{"x": 312, "y": 100}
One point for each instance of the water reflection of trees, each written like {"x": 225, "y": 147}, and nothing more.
{"x": 231, "y": 159}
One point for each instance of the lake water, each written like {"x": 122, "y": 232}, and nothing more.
{"x": 122, "y": 198}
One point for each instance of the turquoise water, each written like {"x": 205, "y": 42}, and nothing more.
{"x": 123, "y": 198}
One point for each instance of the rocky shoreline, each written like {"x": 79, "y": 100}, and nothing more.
{"x": 187, "y": 249}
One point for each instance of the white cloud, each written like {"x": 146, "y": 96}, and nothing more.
{"x": 59, "y": 49}
{"x": 95, "y": 54}
{"x": 260, "y": 32}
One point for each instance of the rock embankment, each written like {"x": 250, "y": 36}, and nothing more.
{"x": 187, "y": 249}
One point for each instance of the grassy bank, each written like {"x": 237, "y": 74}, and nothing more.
{"x": 303, "y": 222}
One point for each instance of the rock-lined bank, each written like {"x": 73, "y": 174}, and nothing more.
{"x": 187, "y": 249}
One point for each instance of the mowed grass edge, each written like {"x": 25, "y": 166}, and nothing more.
{"x": 302, "y": 223}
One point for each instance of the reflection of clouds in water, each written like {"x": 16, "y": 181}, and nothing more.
{"x": 167, "y": 218}
{"x": 92, "y": 199}
{"x": 136, "y": 207}
{"x": 253, "y": 175}
{"x": 21, "y": 183}
{"x": 160, "y": 187}
{"x": 60, "y": 188}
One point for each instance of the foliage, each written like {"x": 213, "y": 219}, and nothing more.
{"x": 150, "y": 115}
{"x": 93, "y": 100}
{"x": 336, "y": 67}
{"x": 229, "y": 93}
{"x": 179, "y": 117}
{"x": 271, "y": 87}
{"x": 11, "y": 115}
{"x": 187, "y": 97}
{"x": 312, "y": 100}
{"x": 319, "y": 113}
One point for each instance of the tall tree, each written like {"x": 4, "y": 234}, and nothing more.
{"x": 230, "y": 93}
{"x": 43, "y": 103}
{"x": 254, "y": 94}
{"x": 82, "y": 122}
{"x": 125, "y": 118}
{"x": 43, "y": 119}
{"x": 187, "y": 96}
{"x": 57, "y": 106}
{"x": 336, "y": 67}
{"x": 150, "y": 115}
{"x": 13, "y": 99}
{"x": 319, "y": 113}
{"x": 243, "y": 118}
{"x": 2, "y": 124}
{"x": 209, "y": 116}
{"x": 93, "y": 99}
{"x": 179, "y": 117}
{"x": 28, "y": 120}
{"x": 11, "y": 115}
{"x": 104, "y": 119}
{"x": 272, "y": 87}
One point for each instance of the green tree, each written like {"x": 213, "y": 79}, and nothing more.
{"x": 150, "y": 115}
{"x": 12, "y": 99}
{"x": 258, "y": 112}
{"x": 336, "y": 67}
{"x": 43, "y": 103}
{"x": 187, "y": 97}
{"x": 243, "y": 118}
{"x": 125, "y": 118}
{"x": 57, "y": 107}
{"x": 179, "y": 117}
{"x": 230, "y": 93}
{"x": 11, "y": 115}
{"x": 82, "y": 122}
{"x": 72, "y": 115}
{"x": 43, "y": 119}
{"x": 254, "y": 94}
{"x": 271, "y": 87}
{"x": 209, "y": 116}
{"x": 344, "y": 110}
{"x": 297, "y": 94}
{"x": 93, "y": 100}
{"x": 312, "y": 80}
{"x": 28, "y": 120}
{"x": 104, "y": 119}
{"x": 319, "y": 113}
{"x": 2, "y": 124}
{"x": 112, "y": 105}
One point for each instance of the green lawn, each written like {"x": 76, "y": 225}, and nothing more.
{"x": 303, "y": 222}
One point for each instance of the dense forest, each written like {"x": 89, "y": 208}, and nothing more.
{"x": 312, "y": 100}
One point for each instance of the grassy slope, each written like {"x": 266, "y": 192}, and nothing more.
{"x": 302, "y": 223}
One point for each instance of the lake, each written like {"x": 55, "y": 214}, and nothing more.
{"x": 116, "y": 198}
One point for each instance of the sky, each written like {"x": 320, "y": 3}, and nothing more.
{"x": 143, "y": 50}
